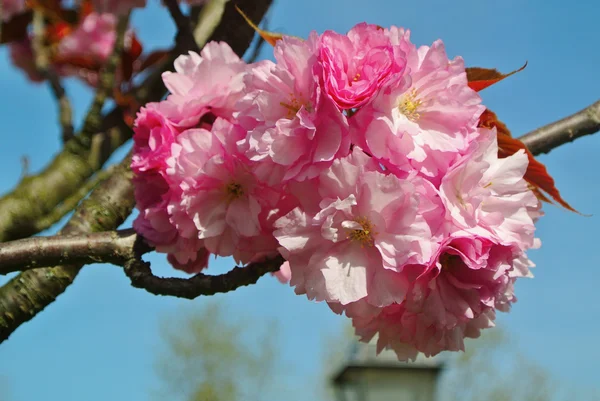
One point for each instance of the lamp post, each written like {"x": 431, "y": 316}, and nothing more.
{"x": 368, "y": 377}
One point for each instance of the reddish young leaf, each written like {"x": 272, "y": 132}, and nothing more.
{"x": 536, "y": 175}
{"x": 129, "y": 58}
{"x": 56, "y": 32}
{"x": 15, "y": 29}
{"x": 481, "y": 78}
{"x": 269, "y": 37}
{"x": 153, "y": 58}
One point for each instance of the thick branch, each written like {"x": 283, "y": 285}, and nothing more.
{"x": 114, "y": 247}
{"x": 71, "y": 202}
{"x": 31, "y": 291}
{"x": 548, "y": 137}
{"x": 201, "y": 284}
{"x": 123, "y": 248}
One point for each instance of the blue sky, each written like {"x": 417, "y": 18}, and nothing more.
{"x": 99, "y": 341}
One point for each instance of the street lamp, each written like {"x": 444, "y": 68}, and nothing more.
{"x": 368, "y": 377}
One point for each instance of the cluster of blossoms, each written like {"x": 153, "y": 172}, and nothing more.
{"x": 93, "y": 40}
{"x": 356, "y": 157}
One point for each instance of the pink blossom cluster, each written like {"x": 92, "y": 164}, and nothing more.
{"x": 92, "y": 41}
{"x": 356, "y": 157}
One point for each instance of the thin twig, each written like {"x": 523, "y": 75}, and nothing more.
{"x": 42, "y": 63}
{"x": 185, "y": 36}
{"x": 106, "y": 82}
{"x": 201, "y": 284}
{"x": 548, "y": 137}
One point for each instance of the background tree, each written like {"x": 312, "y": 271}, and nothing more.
{"x": 208, "y": 357}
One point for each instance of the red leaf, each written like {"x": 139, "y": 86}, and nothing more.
{"x": 135, "y": 48}
{"x": 16, "y": 28}
{"x": 481, "y": 78}
{"x": 153, "y": 58}
{"x": 536, "y": 175}
{"x": 269, "y": 37}
{"x": 129, "y": 58}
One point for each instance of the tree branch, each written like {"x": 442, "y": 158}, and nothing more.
{"x": 31, "y": 291}
{"x": 201, "y": 284}
{"x": 41, "y": 59}
{"x": 114, "y": 247}
{"x": 71, "y": 202}
{"x": 123, "y": 248}
{"x": 548, "y": 137}
{"x": 185, "y": 36}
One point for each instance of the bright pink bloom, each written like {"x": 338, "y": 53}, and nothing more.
{"x": 424, "y": 121}
{"x": 357, "y": 65}
{"x": 369, "y": 227}
{"x": 292, "y": 125}
{"x": 222, "y": 196}
{"x": 95, "y": 37}
{"x": 11, "y": 8}
{"x": 488, "y": 196}
{"x": 284, "y": 274}
{"x": 206, "y": 85}
{"x": 455, "y": 298}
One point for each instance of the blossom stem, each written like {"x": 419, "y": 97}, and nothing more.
{"x": 42, "y": 63}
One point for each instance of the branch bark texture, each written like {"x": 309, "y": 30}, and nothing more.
{"x": 548, "y": 137}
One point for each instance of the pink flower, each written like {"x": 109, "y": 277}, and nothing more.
{"x": 95, "y": 37}
{"x": 284, "y": 274}
{"x": 154, "y": 135}
{"x": 357, "y": 65}
{"x": 455, "y": 298}
{"x": 424, "y": 121}
{"x": 154, "y": 223}
{"x": 369, "y": 227}
{"x": 206, "y": 85}
{"x": 292, "y": 125}
{"x": 489, "y": 197}
{"x": 221, "y": 195}
{"x": 11, "y": 8}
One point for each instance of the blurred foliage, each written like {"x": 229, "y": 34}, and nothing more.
{"x": 493, "y": 368}
{"x": 209, "y": 357}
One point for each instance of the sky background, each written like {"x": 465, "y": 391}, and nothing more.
{"x": 100, "y": 340}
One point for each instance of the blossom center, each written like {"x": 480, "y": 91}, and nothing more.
{"x": 449, "y": 262}
{"x": 355, "y": 79}
{"x": 364, "y": 235}
{"x": 294, "y": 105}
{"x": 234, "y": 191}
{"x": 409, "y": 105}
